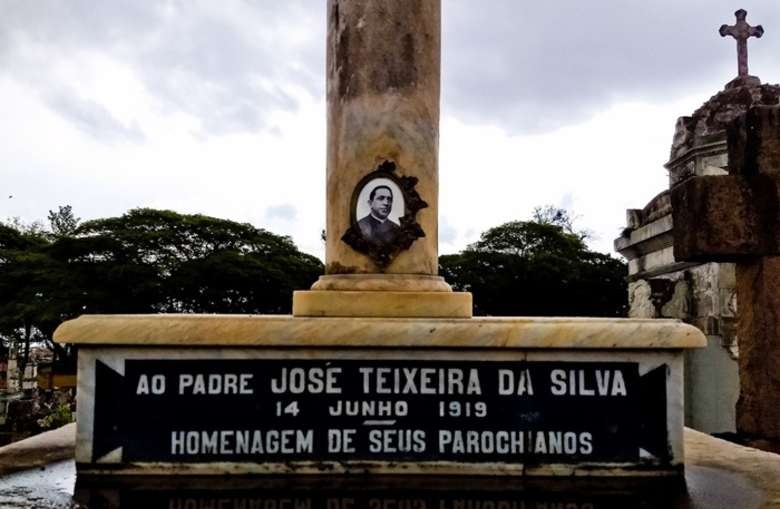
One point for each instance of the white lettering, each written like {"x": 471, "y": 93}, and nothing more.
{"x": 619, "y": 387}
{"x": 228, "y": 442}
{"x": 177, "y": 442}
{"x": 585, "y": 443}
{"x": 384, "y": 380}
{"x": 214, "y": 383}
{"x": 185, "y": 381}
{"x": 309, "y": 380}
{"x": 581, "y": 382}
{"x": 473, "y": 386}
{"x": 143, "y": 385}
{"x": 584, "y": 391}
{"x": 481, "y": 442}
{"x": 397, "y": 440}
{"x": 341, "y": 440}
{"x": 509, "y": 386}
{"x": 558, "y": 379}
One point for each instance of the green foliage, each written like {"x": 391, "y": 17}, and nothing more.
{"x": 63, "y": 223}
{"x": 548, "y": 214}
{"x": 527, "y": 238}
{"x": 161, "y": 261}
{"x": 16, "y": 224}
{"x": 60, "y": 415}
{"x": 24, "y": 270}
{"x": 146, "y": 261}
{"x": 537, "y": 269}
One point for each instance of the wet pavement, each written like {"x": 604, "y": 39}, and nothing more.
{"x": 51, "y": 487}
{"x": 56, "y": 487}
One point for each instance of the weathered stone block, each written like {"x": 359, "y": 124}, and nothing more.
{"x": 753, "y": 142}
{"x": 725, "y": 218}
{"x": 758, "y": 337}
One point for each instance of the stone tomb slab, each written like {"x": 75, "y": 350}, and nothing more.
{"x": 521, "y": 397}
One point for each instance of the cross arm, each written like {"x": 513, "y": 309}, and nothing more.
{"x": 756, "y": 31}
{"x": 726, "y": 30}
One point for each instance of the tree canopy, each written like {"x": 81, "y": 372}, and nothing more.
{"x": 159, "y": 261}
{"x": 537, "y": 268}
{"x": 145, "y": 261}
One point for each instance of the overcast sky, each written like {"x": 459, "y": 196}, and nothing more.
{"x": 218, "y": 107}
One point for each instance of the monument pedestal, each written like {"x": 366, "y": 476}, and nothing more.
{"x": 212, "y": 394}
{"x": 383, "y": 304}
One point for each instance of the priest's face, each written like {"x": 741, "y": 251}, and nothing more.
{"x": 381, "y": 201}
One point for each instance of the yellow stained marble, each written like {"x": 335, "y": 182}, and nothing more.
{"x": 383, "y": 105}
{"x": 383, "y": 304}
{"x": 289, "y": 331}
{"x": 382, "y": 283}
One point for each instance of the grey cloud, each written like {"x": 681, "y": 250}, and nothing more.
{"x": 74, "y": 23}
{"x": 535, "y": 66}
{"x": 285, "y": 212}
{"x": 202, "y": 58}
{"x": 209, "y": 68}
{"x": 93, "y": 119}
{"x": 525, "y": 66}
{"x": 447, "y": 233}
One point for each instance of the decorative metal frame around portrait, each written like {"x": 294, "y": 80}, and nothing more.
{"x": 409, "y": 231}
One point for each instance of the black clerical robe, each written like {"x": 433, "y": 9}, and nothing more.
{"x": 378, "y": 232}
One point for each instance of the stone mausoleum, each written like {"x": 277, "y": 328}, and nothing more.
{"x": 702, "y": 294}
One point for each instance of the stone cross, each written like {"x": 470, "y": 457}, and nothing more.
{"x": 741, "y": 31}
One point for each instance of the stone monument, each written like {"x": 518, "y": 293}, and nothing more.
{"x": 735, "y": 218}
{"x": 701, "y": 291}
{"x": 381, "y": 369}
{"x": 383, "y": 130}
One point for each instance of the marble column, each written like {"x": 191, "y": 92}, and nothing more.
{"x": 383, "y": 81}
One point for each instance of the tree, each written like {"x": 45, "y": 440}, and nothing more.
{"x": 23, "y": 273}
{"x": 63, "y": 223}
{"x": 145, "y": 261}
{"x": 548, "y": 214}
{"x": 34, "y": 228}
{"x": 161, "y": 261}
{"x": 537, "y": 268}
{"x": 528, "y": 239}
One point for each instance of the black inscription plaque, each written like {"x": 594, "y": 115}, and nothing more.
{"x": 282, "y": 410}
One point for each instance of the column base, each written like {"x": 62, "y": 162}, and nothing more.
{"x": 382, "y": 283}
{"x": 383, "y": 304}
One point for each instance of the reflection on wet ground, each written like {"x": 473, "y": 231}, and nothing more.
{"x": 57, "y": 487}
{"x": 50, "y": 487}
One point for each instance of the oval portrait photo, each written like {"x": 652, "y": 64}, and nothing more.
{"x": 378, "y": 208}
{"x": 382, "y": 214}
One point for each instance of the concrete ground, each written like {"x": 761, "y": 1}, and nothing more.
{"x": 752, "y": 470}
{"x": 39, "y": 450}
{"x": 39, "y": 472}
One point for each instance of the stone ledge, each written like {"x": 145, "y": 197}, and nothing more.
{"x": 758, "y": 469}
{"x": 39, "y": 450}
{"x": 288, "y": 331}
{"x": 646, "y": 233}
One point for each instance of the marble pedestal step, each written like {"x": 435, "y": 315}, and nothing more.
{"x": 266, "y": 331}
{"x": 386, "y": 304}
{"x": 217, "y": 394}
